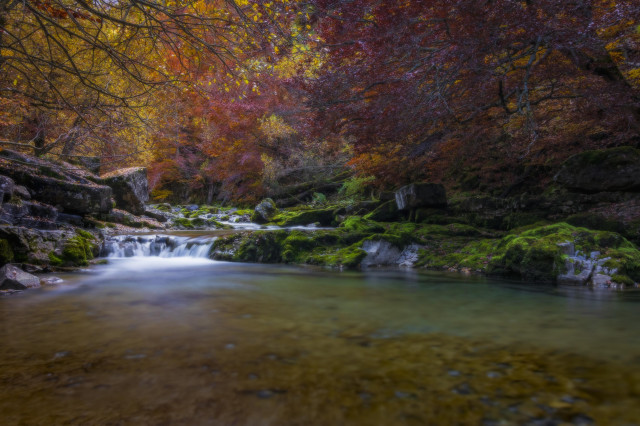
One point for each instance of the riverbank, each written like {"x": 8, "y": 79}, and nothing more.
{"x": 578, "y": 232}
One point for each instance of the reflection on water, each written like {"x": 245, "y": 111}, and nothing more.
{"x": 150, "y": 340}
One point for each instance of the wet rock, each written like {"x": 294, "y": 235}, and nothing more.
{"x": 70, "y": 219}
{"x": 264, "y": 211}
{"x": 615, "y": 169}
{"x": 13, "y": 278}
{"x": 130, "y": 188}
{"x": 156, "y": 214}
{"x": 421, "y": 195}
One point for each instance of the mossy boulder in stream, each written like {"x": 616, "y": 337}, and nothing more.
{"x": 324, "y": 217}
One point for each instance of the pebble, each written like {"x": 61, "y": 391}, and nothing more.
{"x": 229, "y": 346}
{"x": 453, "y": 373}
{"x": 493, "y": 375}
{"x": 463, "y": 389}
{"x": 61, "y": 354}
{"x": 264, "y": 394}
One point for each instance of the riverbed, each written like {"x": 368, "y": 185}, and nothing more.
{"x": 187, "y": 340}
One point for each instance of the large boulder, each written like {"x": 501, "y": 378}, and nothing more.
{"x": 130, "y": 188}
{"x": 55, "y": 184}
{"x": 614, "y": 169}
{"x": 421, "y": 195}
{"x": 14, "y": 278}
{"x": 264, "y": 211}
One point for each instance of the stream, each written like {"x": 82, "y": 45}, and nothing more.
{"x": 163, "y": 335}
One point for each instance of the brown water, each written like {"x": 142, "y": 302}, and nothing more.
{"x": 192, "y": 341}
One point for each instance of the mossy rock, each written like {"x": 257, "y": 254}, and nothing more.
{"x": 362, "y": 225}
{"x": 6, "y": 253}
{"x": 324, "y": 217}
{"x": 261, "y": 246}
{"x": 77, "y": 251}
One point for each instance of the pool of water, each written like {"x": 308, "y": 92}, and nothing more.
{"x": 182, "y": 340}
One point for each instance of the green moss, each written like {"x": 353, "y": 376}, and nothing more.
{"x": 359, "y": 224}
{"x": 77, "y": 251}
{"x": 324, "y": 217}
{"x": 622, "y": 279}
{"x": 84, "y": 234}
{"x": 6, "y": 253}
{"x": 348, "y": 257}
{"x": 55, "y": 260}
{"x": 261, "y": 246}
{"x": 183, "y": 222}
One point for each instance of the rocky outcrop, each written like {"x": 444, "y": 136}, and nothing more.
{"x": 54, "y": 184}
{"x": 615, "y": 169}
{"x": 264, "y": 211}
{"x": 130, "y": 188}
{"x": 14, "y": 278}
{"x": 421, "y": 195}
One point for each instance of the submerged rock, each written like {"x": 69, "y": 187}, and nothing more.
{"x": 421, "y": 195}
{"x": 14, "y": 278}
{"x": 130, "y": 188}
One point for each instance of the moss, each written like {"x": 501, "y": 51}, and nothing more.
{"x": 348, "y": 257}
{"x": 596, "y": 221}
{"x": 182, "y": 222}
{"x": 359, "y": 224}
{"x": 622, "y": 279}
{"x": 261, "y": 246}
{"x": 324, "y": 217}
{"x": 618, "y": 156}
{"x": 77, "y": 251}
{"x": 84, "y": 234}
{"x": 6, "y": 253}
{"x": 55, "y": 260}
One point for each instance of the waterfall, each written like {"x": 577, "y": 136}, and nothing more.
{"x": 156, "y": 245}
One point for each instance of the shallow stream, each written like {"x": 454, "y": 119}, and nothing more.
{"x": 187, "y": 340}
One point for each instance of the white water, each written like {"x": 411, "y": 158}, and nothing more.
{"x": 157, "y": 245}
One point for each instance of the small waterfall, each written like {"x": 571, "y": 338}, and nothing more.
{"x": 156, "y": 245}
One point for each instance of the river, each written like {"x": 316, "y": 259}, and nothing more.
{"x": 168, "y": 336}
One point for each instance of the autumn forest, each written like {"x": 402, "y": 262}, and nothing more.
{"x": 227, "y": 99}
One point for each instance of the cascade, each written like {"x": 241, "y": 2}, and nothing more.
{"x": 156, "y": 245}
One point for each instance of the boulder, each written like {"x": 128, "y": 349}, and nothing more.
{"x": 130, "y": 188}
{"x": 421, "y": 195}
{"x": 264, "y": 211}
{"x": 614, "y": 169}
{"x": 22, "y": 192}
{"x": 14, "y": 278}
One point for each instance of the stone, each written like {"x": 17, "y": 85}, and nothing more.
{"x": 7, "y": 185}
{"x": 421, "y": 195}
{"x": 130, "y": 188}
{"x": 614, "y": 169}
{"x": 264, "y": 211}
{"x": 156, "y": 214}
{"x": 22, "y": 192}
{"x": 13, "y": 278}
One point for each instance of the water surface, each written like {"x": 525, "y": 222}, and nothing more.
{"x": 183, "y": 340}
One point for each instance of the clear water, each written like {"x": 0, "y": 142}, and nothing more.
{"x": 184, "y": 340}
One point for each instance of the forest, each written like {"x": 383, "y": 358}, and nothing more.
{"x": 228, "y": 100}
